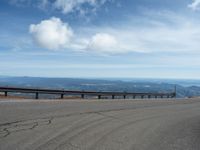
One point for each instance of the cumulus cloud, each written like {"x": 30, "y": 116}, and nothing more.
{"x": 176, "y": 35}
{"x": 103, "y": 42}
{"x": 195, "y": 5}
{"x": 52, "y": 34}
{"x": 106, "y": 43}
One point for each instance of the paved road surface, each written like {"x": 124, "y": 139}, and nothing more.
{"x": 100, "y": 125}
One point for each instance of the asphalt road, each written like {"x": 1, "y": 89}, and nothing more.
{"x": 100, "y": 125}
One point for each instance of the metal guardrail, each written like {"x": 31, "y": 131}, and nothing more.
{"x": 82, "y": 94}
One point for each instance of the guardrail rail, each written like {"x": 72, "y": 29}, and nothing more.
{"x": 83, "y": 94}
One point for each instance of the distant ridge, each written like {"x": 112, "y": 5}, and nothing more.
{"x": 137, "y": 85}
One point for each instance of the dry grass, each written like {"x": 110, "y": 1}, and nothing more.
{"x": 2, "y": 96}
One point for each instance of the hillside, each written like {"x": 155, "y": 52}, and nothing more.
{"x": 134, "y": 85}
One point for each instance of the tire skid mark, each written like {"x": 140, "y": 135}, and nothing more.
{"x": 74, "y": 146}
{"x": 13, "y": 125}
{"x": 100, "y": 111}
{"x": 127, "y": 123}
{"x": 69, "y": 140}
{"x": 79, "y": 126}
{"x": 56, "y": 137}
{"x": 60, "y": 133}
{"x": 5, "y": 127}
{"x": 110, "y": 116}
{"x": 101, "y": 140}
{"x": 89, "y": 112}
{"x": 4, "y": 132}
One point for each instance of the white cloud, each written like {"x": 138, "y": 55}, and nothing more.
{"x": 167, "y": 39}
{"x": 68, "y": 6}
{"x": 43, "y": 4}
{"x": 195, "y": 5}
{"x": 106, "y": 43}
{"x": 161, "y": 39}
{"x": 52, "y": 34}
{"x": 65, "y": 6}
{"x": 103, "y": 42}
{"x": 175, "y": 35}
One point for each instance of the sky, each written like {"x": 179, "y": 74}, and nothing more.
{"x": 100, "y": 38}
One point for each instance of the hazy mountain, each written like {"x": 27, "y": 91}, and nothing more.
{"x": 131, "y": 85}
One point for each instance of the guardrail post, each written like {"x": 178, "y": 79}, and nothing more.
{"x": 62, "y": 96}
{"x": 174, "y": 96}
{"x": 175, "y": 91}
{"x": 6, "y": 93}
{"x": 113, "y": 96}
{"x": 82, "y": 96}
{"x": 36, "y": 95}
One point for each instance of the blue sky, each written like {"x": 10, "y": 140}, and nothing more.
{"x": 100, "y": 38}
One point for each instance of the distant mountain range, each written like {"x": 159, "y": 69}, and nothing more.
{"x": 185, "y": 88}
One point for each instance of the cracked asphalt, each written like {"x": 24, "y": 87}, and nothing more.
{"x": 100, "y": 124}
